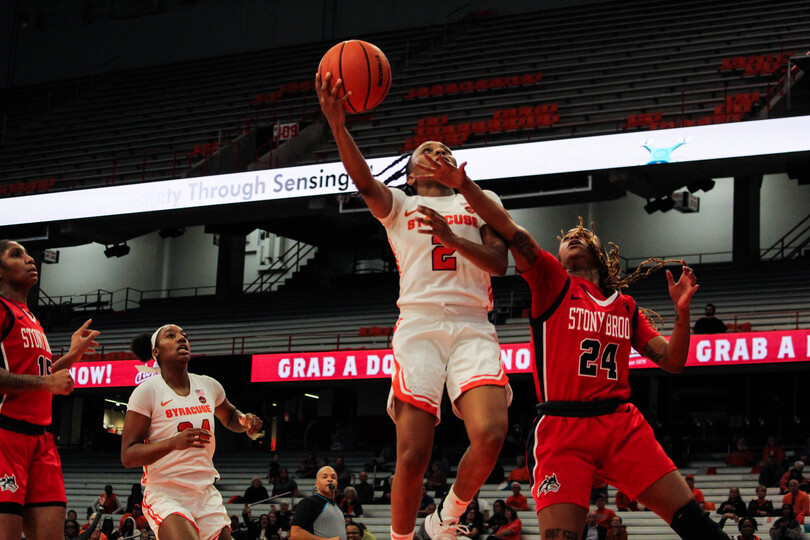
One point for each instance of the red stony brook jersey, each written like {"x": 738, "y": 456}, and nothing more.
{"x": 24, "y": 351}
{"x": 581, "y": 338}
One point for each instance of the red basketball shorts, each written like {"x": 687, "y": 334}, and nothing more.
{"x": 565, "y": 452}
{"x": 30, "y": 472}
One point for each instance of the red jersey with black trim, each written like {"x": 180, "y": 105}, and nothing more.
{"x": 581, "y": 338}
{"x": 24, "y": 350}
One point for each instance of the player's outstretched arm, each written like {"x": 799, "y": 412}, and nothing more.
{"x": 671, "y": 355}
{"x": 377, "y": 195}
{"x": 136, "y": 453}
{"x": 83, "y": 341}
{"x": 523, "y": 246}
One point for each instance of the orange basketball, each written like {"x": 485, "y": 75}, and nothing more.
{"x": 364, "y": 70}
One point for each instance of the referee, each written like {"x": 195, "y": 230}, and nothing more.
{"x": 318, "y": 517}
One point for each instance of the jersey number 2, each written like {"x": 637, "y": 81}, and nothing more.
{"x": 443, "y": 258}
{"x": 594, "y": 357}
{"x": 182, "y": 426}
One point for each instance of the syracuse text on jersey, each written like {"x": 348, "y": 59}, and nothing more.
{"x": 188, "y": 411}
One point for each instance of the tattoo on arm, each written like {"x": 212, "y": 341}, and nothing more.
{"x": 11, "y": 382}
{"x": 652, "y": 355}
{"x": 523, "y": 243}
{"x": 560, "y": 534}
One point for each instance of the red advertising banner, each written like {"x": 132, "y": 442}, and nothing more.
{"x": 108, "y": 374}
{"x": 705, "y": 350}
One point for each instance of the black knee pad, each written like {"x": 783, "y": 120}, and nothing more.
{"x": 692, "y": 523}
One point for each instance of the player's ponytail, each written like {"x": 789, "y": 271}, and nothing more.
{"x": 399, "y": 173}
{"x": 141, "y": 345}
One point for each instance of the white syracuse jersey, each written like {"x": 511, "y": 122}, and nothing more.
{"x": 430, "y": 273}
{"x": 171, "y": 413}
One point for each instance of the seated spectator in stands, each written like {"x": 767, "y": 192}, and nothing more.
{"x": 511, "y": 529}
{"x": 385, "y": 497}
{"x": 624, "y": 504}
{"x": 262, "y": 528}
{"x": 617, "y": 529}
{"x": 353, "y": 531}
{"x": 520, "y": 473}
{"x": 760, "y": 507}
{"x": 344, "y": 476}
{"x": 238, "y": 530}
{"x": 771, "y": 471}
{"x": 255, "y": 492}
{"x": 592, "y": 530}
{"x": 733, "y": 505}
{"x": 273, "y": 469}
{"x": 147, "y": 535}
{"x": 481, "y": 505}
{"x": 366, "y": 534}
{"x": 709, "y": 324}
{"x": 786, "y": 526}
{"x": 285, "y": 484}
{"x": 284, "y": 516}
{"x": 696, "y": 493}
{"x": 108, "y": 502}
{"x": 349, "y": 505}
{"x": 71, "y": 529}
{"x": 740, "y": 456}
{"x": 128, "y": 528}
{"x": 137, "y": 516}
{"x": 598, "y": 487}
{"x": 497, "y": 517}
{"x": 474, "y": 523}
{"x": 746, "y": 525}
{"x": 427, "y": 505}
{"x": 71, "y": 514}
{"x": 308, "y": 466}
{"x": 365, "y": 491}
{"x": 795, "y": 473}
{"x": 798, "y": 499}
{"x": 773, "y": 447}
{"x": 603, "y": 514}
{"x": 135, "y": 497}
{"x": 107, "y": 528}
{"x": 517, "y": 500}
{"x": 436, "y": 479}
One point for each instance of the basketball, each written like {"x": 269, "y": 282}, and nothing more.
{"x": 364, "y": 70}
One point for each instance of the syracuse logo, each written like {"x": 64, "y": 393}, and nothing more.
{"x": 8, "y": 483}
{"x": 548, "y": 485}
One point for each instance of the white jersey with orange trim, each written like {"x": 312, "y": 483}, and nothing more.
{"x": 171, "y": 413}
{"x": 430, "y": 273}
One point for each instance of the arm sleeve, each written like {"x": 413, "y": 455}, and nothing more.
{"x": 305, "y": 515}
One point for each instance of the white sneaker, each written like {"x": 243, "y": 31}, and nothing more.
{"x": 437, "y": 529}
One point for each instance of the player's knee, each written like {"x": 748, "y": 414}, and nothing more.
{"x": 692, "y": 523}
{"x": 489, "y": 442}
{"x": 412, "y": 458}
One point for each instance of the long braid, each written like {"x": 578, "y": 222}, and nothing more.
{"x": 610, "y": 268}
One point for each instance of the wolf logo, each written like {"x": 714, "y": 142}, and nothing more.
{"x": 548, "y": 485}
{"x": 8, "y": 483}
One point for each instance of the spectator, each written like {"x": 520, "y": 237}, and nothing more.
{"x": 787, "y": 526}
{"x": 598, "y": 487}
{"x": 521, "y": 471}
{"x": 771, "y": 472}
{"x": 284, "y": 516}
{"x": 146, "y": 535}
{"x": 773, "y": 447}
{"x": 497, "y": 518}
{"x": 436, "y": 479}
{"x": 733, "y": 505}
{"x": 344, "y": 475}
{"x": 350, "y": 506}
{"x": 238, "y": 531}
{"x": 740, "y": 456}
{"x": 512, "y": 529}
{"x": 709, "y": 324}
{"x": 385, "y": 497}
{"x": 128, "y": 528}
{"x": 696, "y": 493}
{"x": 617, "y": 529}
{"x": 517, "y": 500}
{"x": 285, "y": 484}
{"x": 795, "y": 473}
{"x": 365, "y": 491}
{"x": 482, "y": 505}
{"x": 273, "y": 469}
{"x": 603, "y": 514}
{"x": 471, "y": 524}
{"x": 317, "y": 516}
{"x": 623, "y": 503}
{"x": 747, "y": 527}
{"x": 427, "y": 505}
{"x": 71, "y": 529}
{"x": 308, "y": 466}
{"x": 760, "y": 507}
{"x": 592, "y": 530}
{"x": 255, "y": 492}
{"x": 135, "y": 497}
{"x": 108, "y": 502}
{"x": 107, "y": 528}
{"x": 137, "y": 515}
{"x": 353, "y": 531}
{"x": 798, "y": 499}
{"x": 262, "y": 528}
{"x": 367, "y": 535}
{"x": 71, "y": 514}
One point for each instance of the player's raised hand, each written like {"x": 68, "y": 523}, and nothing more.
{"x": 331, "y": 104}
{"x": 440, "y": 170}
{"x": 83, "y": 340}
{"x": 681, "y": 291}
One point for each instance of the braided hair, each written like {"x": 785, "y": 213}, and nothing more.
{"x": 609, "y": 266}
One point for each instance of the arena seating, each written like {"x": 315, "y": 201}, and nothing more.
{"x": 600, "y": 63}
{"x": 86, "y": 475}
